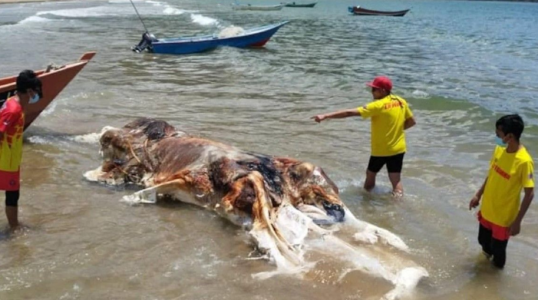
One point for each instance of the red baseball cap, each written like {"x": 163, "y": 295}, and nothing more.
{"x": 381, "y": 82}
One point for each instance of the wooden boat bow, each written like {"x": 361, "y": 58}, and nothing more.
{"x": 54, "y": 79}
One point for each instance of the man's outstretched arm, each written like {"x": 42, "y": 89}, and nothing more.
{"x": 337, "y": 115}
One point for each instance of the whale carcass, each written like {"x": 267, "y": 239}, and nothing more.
{"x": 278, "y": 200}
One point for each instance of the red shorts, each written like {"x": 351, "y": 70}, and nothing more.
{"x": 9, "y": 181}
{"x": 498, "y": 232}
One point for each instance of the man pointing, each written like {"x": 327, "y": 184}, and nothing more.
{"x": 390, "y": 115}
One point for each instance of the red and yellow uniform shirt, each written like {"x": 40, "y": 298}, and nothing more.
{"x": 508, "y": 174}
{"x": 12, "y": 127}
{"x": 388, "y": 117}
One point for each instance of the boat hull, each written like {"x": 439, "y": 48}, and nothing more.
{"x": 257, "y": 7}
{"x": 300, "y": 5}
{"x": 53, "y": 82}
{"x": 359, "y": 11}
{"x": 256, "y": 37}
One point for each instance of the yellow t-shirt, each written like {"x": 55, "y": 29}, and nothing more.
{"x": 388, "y": 117}
{"x": 12, "y": 125}
{"x": 508, "y": 174}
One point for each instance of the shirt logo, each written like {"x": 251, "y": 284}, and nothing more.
{"x": 501, "y": 172}
{"x": 392, "y": 104}
{"x": 530, "y": 176}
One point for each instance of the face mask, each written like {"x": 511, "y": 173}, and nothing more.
{"x": 34, "y": 99}
{"x": 500, "y": 142}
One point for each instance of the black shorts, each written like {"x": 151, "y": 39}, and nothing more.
{"x": 394, "y": 163}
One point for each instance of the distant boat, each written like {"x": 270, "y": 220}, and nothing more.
{"x": 359, "y": 11}
{"x": 293, "y": 4}
{"x": 256, "y": 7}
{"x": 124, "y": 1}
{"x": 234, "y": 37}
{"x": 53, "y": 81}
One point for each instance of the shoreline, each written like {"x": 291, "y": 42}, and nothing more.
{"x": 36, "y": 1}
{"x": 32, "y": 1}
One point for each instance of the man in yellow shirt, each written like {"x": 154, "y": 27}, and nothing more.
{"x": 390, "y": 116}
{"x": 511, "y": 170}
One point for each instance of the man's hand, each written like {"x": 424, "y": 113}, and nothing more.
{"x": 515, "y": 228}
{"x": 474, "y": 202}
{"x": 318, "y": 118}
{"x": 409, "y": 123}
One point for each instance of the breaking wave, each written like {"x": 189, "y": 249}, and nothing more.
{"x": 112, "y": 8}
{"x": 203, "y": 20}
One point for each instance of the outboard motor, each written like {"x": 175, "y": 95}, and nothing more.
{"x": 145, "y": 43}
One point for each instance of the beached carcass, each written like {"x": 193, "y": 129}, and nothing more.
{"x": 279, "y": 201}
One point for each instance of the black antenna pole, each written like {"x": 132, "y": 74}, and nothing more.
{"x": 136, "y": 10}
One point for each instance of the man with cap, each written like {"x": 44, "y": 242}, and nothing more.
{"x": 11, "y": 131}
{"x": 390, "y": 116}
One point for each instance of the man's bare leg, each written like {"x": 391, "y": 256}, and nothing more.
{"x": 397, "y": 187}
{"x": 12, "y": 213}
{"x": 369, "y": 182}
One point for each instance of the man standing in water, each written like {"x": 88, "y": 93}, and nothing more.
{"x": 511, "y": 169}
{"x": 390, "y": 116}
{"x": 11, "y": 131}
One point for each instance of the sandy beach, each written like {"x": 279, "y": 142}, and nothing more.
{"x": 28, "y": 1}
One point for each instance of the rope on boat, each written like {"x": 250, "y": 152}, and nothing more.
{"x": 136, "y": 10}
